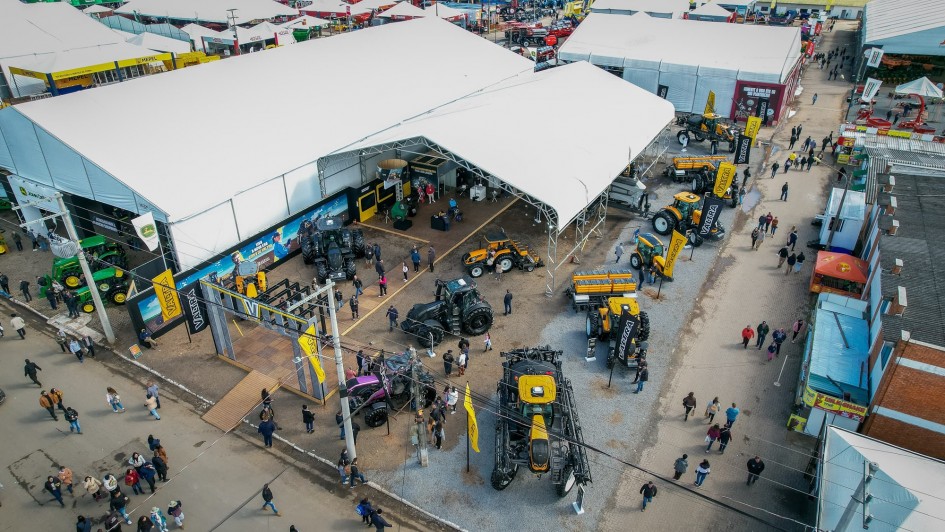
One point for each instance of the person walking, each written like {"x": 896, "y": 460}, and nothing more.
{"x": 643, "y": 376}
{"x": 461, "y": 363}
{"x": 768, "y": 219}
{"x": 133, "y": 481}
{"x": 800, "y": 262}
{"x": 810, "y": 161}
{"x": 649, "y": 491}
{"x": 784, "y": 191}
{"x": 76, "y": 349}
{"x": 798, "y": 328}
{"x": 507, "y": 300}
{"x": 431, "y": 257}
{"x": 25, "y": 289}
{"x": 731, "y": 414}
{"x": 415, "y": 258}
{"x": 405, "y": 270}
{"x": 152, "y": 388}
{"x": 680, "y": 466}
{"x": 54, "y": 486}
{"x": 365, "y": 509}
{"x": 762, "y": 331}
{"x": 761, "y": 222}
{"x": 782, "y": 256}
{"x": 640, "y": 366}
{"x": 144, "y": 524}
{"x": 448, "y": 362}
{"x": 791, "y": 143}
{"x": 18, "y": 325}
{"x": 378, "y": 521}
{"x": 618, "y": 251}
{"x": 355, "y": 471}
{"x": 160, "y": 466}
{"x": 113, "y": 400}
{"x": 755, "y": 468}
{"x": 353, "y": 303}
{"x": 760, "y": 240}
{"x": 689, "y": 403}
{"x": 702, "y": 471}
{"x": 792, "y": 237}
{"x": 151, "y": 404}
{"x": 774, "y": 225}
{"x": 118, "y": 503}
{"x": 774, "y": 169}
{"x": 157, "y": 517}
{"x": 267, "y": 498}
{"x": 771, "y": 350}
{"x": 725, "y": 436}
{"x": 30, "y": 369}
{"x": 714, "y": 407}
{"x": 382, "y": 286}
{"x": 779, "y": 336}
{"x": 711, "y": 436}
{"x": 813, "y": 100}
{"x": 147, "y": 472}
{"x": 308, "y": 419}
{"x": 754, "y": 237}
{"x": 358, "y": 286}
{"x": 488, "y": 342}
{"x": 175, "y": 509}
{"x": 379, "y": 268}
{"x": 84, "y": 525}
{"x": 56, "y": 396}
{"x": 47, "y": 402}
{"x": 65, "y": 476}
{"x": 266, "y": 428}
{"x": 791, "y": 261}
{"x": 63, "y": 340}
{"x": 787, "y": 163}
{"x": 73, "y": 418}
{"x": 392, "y": 316}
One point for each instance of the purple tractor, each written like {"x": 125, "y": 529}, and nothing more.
{"x": 375, "y": 394}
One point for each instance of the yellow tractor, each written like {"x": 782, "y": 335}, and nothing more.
{"x": 708, "y": 126}
{"x": 621, "y": 322}
{"x": 501, "y": 252}
{"x": 249, "y": 280}
{"x": 590, "y": 289}
{"x": 577, "y": 9}
{"x": 649, "y": 253}
{"x": 683, "y": 215}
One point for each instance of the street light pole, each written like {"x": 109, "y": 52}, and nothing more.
{"x": 340, "y": 369}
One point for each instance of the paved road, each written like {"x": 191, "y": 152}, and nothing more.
{"x": 216, "y": 476}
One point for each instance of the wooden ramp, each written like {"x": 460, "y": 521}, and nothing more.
{"x": 240, "y": 401}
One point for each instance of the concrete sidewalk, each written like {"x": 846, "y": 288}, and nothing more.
{"x": 217, "y": 476}
{"x": 745, "y": 287}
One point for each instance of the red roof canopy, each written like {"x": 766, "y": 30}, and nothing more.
{"x": 842, "y": 266}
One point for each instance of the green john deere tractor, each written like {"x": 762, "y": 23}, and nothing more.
{"x": 112, "y": 285}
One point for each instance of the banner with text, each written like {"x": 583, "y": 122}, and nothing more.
{"x": 628, "y": 332}
{"x": 874, "y": 56}
{"x": 676, "y": 245}
{"x": 743, "y": 149}
{"x": 723, "y": 178}
{"x": 195, "y": 307}
{"x": 752, "y": 126}
{"x": 711, "y": 208}
{"x": 870, "y": 88}
{"x": 166, "y": 292}
{"x": 308, "y": 341}
{"x": 147, "y": 230}
{"x": 472, "y": 429}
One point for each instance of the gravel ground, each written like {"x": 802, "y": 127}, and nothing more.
{"x": 608, "y": 424}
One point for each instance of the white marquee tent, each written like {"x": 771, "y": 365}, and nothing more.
{"x": 208, "y": 10}
{"x": 654, "y": 8}
{"x": 408, "y": 10}
{"x": 690, "y": 57}
{"x": 159, "y": 43}
{"x": 914, "y": 27}
{"x": 710, "y": 12}
{"x": 218, "y": 176}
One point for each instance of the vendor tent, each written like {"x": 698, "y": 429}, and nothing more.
{"x": 97, "y": 9}
{"x": 922, "y": 86}
{"x": 335, "y": 9}
{"x": 159, "y": 43}
{"x": 207, "y": 10}
{"x": 710, "y": 12}
{"x": 305, "y": 22}
{"x": 406, "y": 11}
{"x": 842, "y": 266}
{"x": 654, "y": 8}
{"x": 196, "y": 32}
{"x": 913, "y": 27}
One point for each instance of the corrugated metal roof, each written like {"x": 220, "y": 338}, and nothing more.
{"x": 920, "y": 243}
{"x": 918, "y": 157}
{"x": 891, "y": 18}
{"x": 840, "y": 347}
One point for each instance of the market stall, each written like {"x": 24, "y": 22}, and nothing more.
{"x": 839, "y": 273}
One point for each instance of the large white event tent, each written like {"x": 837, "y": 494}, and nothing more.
{"x": 908, "y": 27}
{"x": 688, "y": 57}
{"x": 654, "y": 8}
{"x": 208, "y": 10}
{"x": 218, "y": 177}
{"x": 406, "y": 10}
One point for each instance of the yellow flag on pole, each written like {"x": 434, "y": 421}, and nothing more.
{"x": 723, "y": 179}
{"x": 309, "y": 344}
{"x": 710, "y": 103}
{"x": 473, "y": 428}
{"x": 676, "y": 245}
{"x": 752, "y": 126}
{"x": 166, "y": 293}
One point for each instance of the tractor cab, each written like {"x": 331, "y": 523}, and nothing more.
{"x": 649, "y": 246}
{"x": 710, "y": 121}
{"x": 537, "y": 394}
{"x": 249, "y": 280}
{"x": 458, "y": 292}
{"x": 685, "y": 203}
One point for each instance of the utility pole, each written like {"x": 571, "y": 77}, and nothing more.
{"x": 231, "y": 16}
{"x": 418, "y": 402}
{"x": 339, "y": 367}
{"x": 89, "y": 280}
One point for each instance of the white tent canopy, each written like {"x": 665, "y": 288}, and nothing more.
{"x": 711, "y": 10}
{"x": 914, "y": 27}
{"x": 306, "y": 21}
{"x": 97, "y": 9}
{"x": 160, "y": 43}
{"x": 196, "y": 32}
{"x": 334, "y": 6}
{"x": 656, "y": 8}
{"x": 922, "y": 86}
{"x": 406, "y": 9}
{"x": 208, "y": 10}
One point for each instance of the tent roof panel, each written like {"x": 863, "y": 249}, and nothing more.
{"x": 773, "y": 51}
{"x": 648, "y": 6}
{"x": 208, "y": 10}
{"x": 306, "y": 21}
{"x": 215, "y": 161}
{"x": 712, "y": 10}
{"x": 893, "y": 18}
{"x": 80, "y": 57}
{"x": 406, "y": 9}
{"x": 597, "y": 148}
{"x": 28, "y": 29}
{"x": 160, "y": 43}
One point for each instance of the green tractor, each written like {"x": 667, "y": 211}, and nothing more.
{"x": 102, "y": 250}
{"x": 68, "y": 272}
{"x": 112, "y": 284}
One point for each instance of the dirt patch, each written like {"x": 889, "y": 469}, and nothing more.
{"x": 473, "y": 478}
{"x": 615, "y": 417}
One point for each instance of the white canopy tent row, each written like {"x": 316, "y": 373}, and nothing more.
{"x": 207, "y": 10}
{"x": 217, "y": 187}
{"x": 922, "y": 86}
{"x": 407, "y": 11}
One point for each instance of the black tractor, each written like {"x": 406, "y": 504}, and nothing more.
{"x": 332, "y": 249}
{"x": 459, "y": 308}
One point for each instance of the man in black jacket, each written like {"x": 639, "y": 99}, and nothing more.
{"x": 755, "y": 467}
{"x": 378, "y": 521}
{"x": 30, "y": 369}
{"x": 649, "y": 491}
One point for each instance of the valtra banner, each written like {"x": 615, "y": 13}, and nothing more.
{"x": 743, "y": 149}
{"x": 711, "y": 208}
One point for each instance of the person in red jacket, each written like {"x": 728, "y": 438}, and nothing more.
{"x": 747, "y": 334}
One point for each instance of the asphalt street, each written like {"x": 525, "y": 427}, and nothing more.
{"x": 217, "y": 476}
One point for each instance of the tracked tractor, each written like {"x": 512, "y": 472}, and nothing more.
{"x": 333, "y": 249}
{"x": 684, "y": 216}
{"x": 649, "y": 253}
{"x": 621, "y": 323}
{"x": 538, "y": 426}
{"x": 459, "y": 308}
{"x": 707, "y": 126}
{"x": 506, "y": 254}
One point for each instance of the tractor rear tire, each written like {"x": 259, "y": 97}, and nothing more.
{"x": 592, "y": 324}
{"x": 695, "y": 239}
{"x": 72, "y": 280}
{"x": 88, "y": 307}
{"x": 636, "y": 261}
{"x": 321, "y": 272}
{"x": 357, "y": 242}
{"x": 500, "y": 481}
{"x": 476, "y": 270}
{"x": 117, "y": 296}
{"x": 644, "y": 333}
{"x": 664, "y": 222}
{"x": 682, "y": 135}
{"x": 351, "y": 268}
{"x": 478, "y": 321}
{"x": 504, "y": 264}
{"x": 568, "y": 483}
{"x": 375, "y": 417}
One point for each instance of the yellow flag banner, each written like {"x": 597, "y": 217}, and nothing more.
{"x": 676, "y": 245}
{"x": 166, "y": 292}
{"x": 473, "y": 428}
{"x": 752, "y": 127}
{"x": 309, "y": 344}
{"x": 723, "y": 178}
{"x": 710, "y": 103}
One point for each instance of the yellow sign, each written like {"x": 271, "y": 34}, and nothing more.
{"x": 710, "y": 103}
{"x": 676, "y": 244}
{"x": 832, "y": 404}
{"x": 27, "y": 73}
{"x": 144, "y": 60}
{"x": 473, "y": 428}
{"x": 166, "y": 292}
{"x": 309, "y": 343}
{"x": 900, "y": 134}
{"x": 83, "y": 71}
{"x": 723, "y": 179}
{"x": 752, "y": 127}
